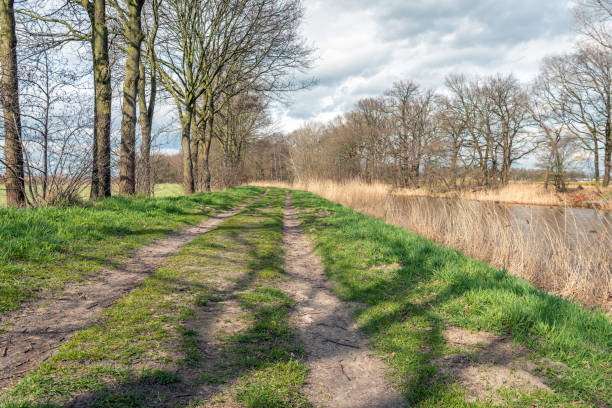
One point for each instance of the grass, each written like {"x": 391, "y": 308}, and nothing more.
{"x": 565, "y": 253}
{"x": 151, "y": 348}
{"x": 163, "y": 190}
{"x": 169, "y": 190}
{"x": 47, "y": 247}
{"x": 171, "y": 337}
{"x": 407, "y": 308}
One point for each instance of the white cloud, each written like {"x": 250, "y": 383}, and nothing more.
{"x": 364, "y": 46}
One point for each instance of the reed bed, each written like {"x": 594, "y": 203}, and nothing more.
{"x": 528, "y": 194}
{"x": 562, "y": 257}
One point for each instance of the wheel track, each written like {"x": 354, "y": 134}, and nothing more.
{"x": 343, "y": 372}
{"x": 32, "y": 334}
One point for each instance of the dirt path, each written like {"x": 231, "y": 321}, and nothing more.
{"x": 31, "y": 335}
{"x": 343, "y": 372}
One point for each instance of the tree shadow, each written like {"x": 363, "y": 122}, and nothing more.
{"x": 433, "y": 287}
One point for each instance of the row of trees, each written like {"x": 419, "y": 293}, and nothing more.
{"x": 476, "y": 128}
{"x": 218, "y": 61}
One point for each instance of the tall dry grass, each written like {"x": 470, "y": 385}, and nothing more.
{"x": 558, "y": 254}
{"x": 528, "y": 194}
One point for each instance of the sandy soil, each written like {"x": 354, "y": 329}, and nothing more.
{"x": 489, "y": 363}
{"x": 31, "y": 335}
{"x": 343, "y": 372}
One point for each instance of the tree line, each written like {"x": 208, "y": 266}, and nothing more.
{"x": 474, "y": 131}
{"x": 66, "y": 63}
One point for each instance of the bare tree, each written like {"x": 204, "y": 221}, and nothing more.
{"x": 508, "y": 103}
{"x": 56, "y": 128}
{"x": 236, "y": 129}
{"x": 594, "y": 18}
{"x": 454, "y": 133}
{"x": 549, "y": 114}
{"x": 147, "y": 107}
{"x": 9, "y": 90}
{"x": 130, "y": 16}
{"x": 85, "y": 21}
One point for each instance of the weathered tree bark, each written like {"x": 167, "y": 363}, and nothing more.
{"x": 186, "y": 145}
{"x": 127, "y": 162}
{"x": 103, "y": 98}
{"x": 146, "y": 123}
{"x": 607, "y": 154}
{"x": 147, "y": 112}
{"x": 9, "y": 88}
{"x": 205, "y": 168}
{"x": 95, "y": 179}
{"x": 596, "y": 160}
{"x": 195, "y": 143}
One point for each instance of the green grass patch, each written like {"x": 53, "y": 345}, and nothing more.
{"x": 169, "y": 190}
{"x": 148, "y": 346}
{"x": 406, "y": 307}
{"x": 47, "y": 247}
{"x": 277, "y": 386}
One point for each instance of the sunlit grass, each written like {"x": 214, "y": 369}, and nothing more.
{"x": 407, "y": 307}
{"x": 577, "y": 268}
{"x": 148, "y": 342}
{"x": 169, "y": 190}
{"x": 161, "y": 191}
{"x": 48, "y": 246}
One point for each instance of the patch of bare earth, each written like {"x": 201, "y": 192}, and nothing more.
{"x": 31, "y": 335}
{"x": 343, "y": 372}
{"x": 489, "y": 363}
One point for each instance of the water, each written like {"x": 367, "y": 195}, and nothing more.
{"x": 539, "y": 231}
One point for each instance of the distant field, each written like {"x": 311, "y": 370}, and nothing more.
{"x": 169, "y": 190}
{"x": 161, "y": 191}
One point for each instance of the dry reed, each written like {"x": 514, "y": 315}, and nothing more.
{"x": 560, "y": 256}
{"x": 528, "y": 194}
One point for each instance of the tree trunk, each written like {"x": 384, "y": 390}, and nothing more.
{"x": 204, "y": 148}
{"x": 195, "y": 142}
{"x": 9, "y": 88}
{"x": 454, "y": 161}
{"x": 147, "y": 112}
{"x": 596, "y": 159}
{"x": 103, "y": 95}
{"x": 95, "y": 180}
{"x": 201, "y": 155}
{"x": 607, "y": 154}
{"x": 146, "y": 122}
{"x": 208, "y": 142}
{"x": 45, "y": 135}
{"x": 186, "y": 145}
{"x": 127, "y": 162}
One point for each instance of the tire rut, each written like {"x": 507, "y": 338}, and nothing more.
{"x": 343, "y": 372}
{"x": 31, "y": 335}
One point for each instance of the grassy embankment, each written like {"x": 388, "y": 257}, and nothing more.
{"x": 154, "y": 348}
{"x": 47, "y": 247}
{"x": 555, "y": 252}
{"x": 407, "y": 307}
{"x": 170, "y": 342}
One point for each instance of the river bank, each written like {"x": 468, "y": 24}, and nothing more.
{"x": 558, "y": 251}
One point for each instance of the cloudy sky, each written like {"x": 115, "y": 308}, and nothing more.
{"x": 363, "y": 46}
